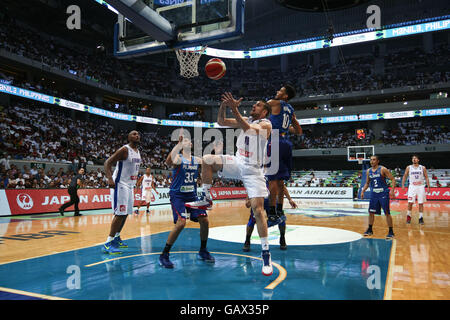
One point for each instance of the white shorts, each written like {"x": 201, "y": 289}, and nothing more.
{"x": 147, "y": 195}
{"x": 252, "y": 176}
{"x": 418, "y": 191}
{"x": 122, "y": 199}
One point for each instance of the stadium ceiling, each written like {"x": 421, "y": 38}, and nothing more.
{"x": 320, "y": 5}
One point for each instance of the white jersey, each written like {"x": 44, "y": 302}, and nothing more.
{"x": 127, "y": 170}
{"x": 147, "y": 182}
{"x": 416, "y": 176}
{"x": 251, "y": 148}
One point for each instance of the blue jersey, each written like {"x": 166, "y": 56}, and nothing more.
{"x": 283, "y": 158}
{"x": 282, "y": 121}
{"x": 378, "y": 183}
{"x": 185, "y": 177}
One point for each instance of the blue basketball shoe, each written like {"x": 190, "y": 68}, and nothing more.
{"x": 119, "y": 243}
{"x": 165, "y": 261}
{"x": 111, "y": 248}
{"x": 204, "y": 255}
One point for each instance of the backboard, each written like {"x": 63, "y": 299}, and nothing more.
{"x": 360, "y": 152}
{"x": 195, "y": 22}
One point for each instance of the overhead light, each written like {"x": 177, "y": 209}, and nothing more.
{"x": 341, "y": 108}
{"x": 406, "y": 102}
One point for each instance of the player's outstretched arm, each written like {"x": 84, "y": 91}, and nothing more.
{"x": 173, "y": 159}
{"x": 222, "y": 120}
{"x": 121, "y": 154}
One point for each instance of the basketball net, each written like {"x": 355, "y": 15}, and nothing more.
{"x": 188, "y": 60}
{"x": 360, "y": 160}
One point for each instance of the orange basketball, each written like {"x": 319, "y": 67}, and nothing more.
{"x": 215, "y": 69}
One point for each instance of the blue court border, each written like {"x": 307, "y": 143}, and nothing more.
{"x": 350, "y": 271}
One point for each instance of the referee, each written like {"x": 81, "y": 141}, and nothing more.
{"x": 73, "y": 189}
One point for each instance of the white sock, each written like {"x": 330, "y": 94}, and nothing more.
{"x": 206, "y": 188}
{"x": 265, "y": 243}
{"x": 420, "y": 215}
{"x": 109, "y": 239}
{"x": 409, "y": 213}
{"x": 117, "y": 234}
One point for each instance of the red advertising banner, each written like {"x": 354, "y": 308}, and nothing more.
{"x": 434, "y": 194}
{"x": 29, "y": 201}
{"x": 228, "y": 193}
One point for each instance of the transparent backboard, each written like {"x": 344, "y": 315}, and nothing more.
{"x": 196, "y": 22}
{"x": 360, "y": 152}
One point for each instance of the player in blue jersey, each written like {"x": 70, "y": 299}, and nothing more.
{"x": 184, "y": 189}
{"x": 380, "y": 194}
{"x": 252, "y": 221}
{"x": 283, "y": 122}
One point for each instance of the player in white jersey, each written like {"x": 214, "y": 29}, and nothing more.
{"x": 122, "y": 183}
{"x": 417, "y": 174}
{"x": 246, "y": 165}
{"x": 146, "y": 183}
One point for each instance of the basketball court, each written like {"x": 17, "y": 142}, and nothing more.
{"x": 56, "y": 257}
{"x": 53, "y": 257}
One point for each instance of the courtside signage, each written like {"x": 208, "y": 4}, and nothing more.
{"x": 434, "y": 194}
{"x": 30, "y": 201}
{"x": 321, "y": 192}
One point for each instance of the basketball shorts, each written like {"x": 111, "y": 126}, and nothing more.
{"x": 280, "y": 165}
{"x": 379, "y": 201}
{"x": 251, "y": 176}
{"x": 122, "y": 197}
{"x": 417, "y": 191}
{"x": 179, "y": 210}
{"x": 147, "y": 195}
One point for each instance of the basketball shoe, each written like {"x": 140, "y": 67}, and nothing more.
{"x": 267, "y": 268}
{"x": 204, "y": 255}
{"x": 408, "y": 219}
{"x": 203, "y": 203}
{"x": 165, "y": 261}
{"x": 390, "y": 235}
{"x": 111, "y": 248}
{"x": 368, "y": 232}
{"x": 119, "y": 243}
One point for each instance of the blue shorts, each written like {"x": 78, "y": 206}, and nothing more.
{"x": 284, "y": 159}
{"x": 179, "y": 210}
{"x": 252, "y": 221}
{"x": 378, "y": 202}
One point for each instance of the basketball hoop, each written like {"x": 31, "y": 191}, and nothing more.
{"x": 189, "y": 61}
{"x": 360, "y": 160}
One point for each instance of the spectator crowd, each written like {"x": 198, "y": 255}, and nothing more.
{"x": 399, "y": 69}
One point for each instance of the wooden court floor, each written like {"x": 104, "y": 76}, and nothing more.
{"x": 419, "y": 267}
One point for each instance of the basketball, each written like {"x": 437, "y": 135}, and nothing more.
{"x": 215, "y": 69}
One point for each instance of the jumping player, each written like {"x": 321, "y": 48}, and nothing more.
{"x": 380, "y": 194}
{"x": 246, "y": 165}
{"x": 416, "y": 173}
{"x": 281, "y": 226}
{"x": 147, "y": 183}
{"x": 122, "y": 183}
{"x": 282, "y": 116}
{"x": 184, "y": 189}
